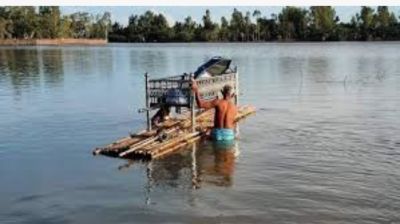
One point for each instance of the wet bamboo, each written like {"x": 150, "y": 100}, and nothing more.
{"x": 176, "y": 147}
{"x": 173, "y": 142}
{"x": 182, "y": 125}
{"x": 147, "y": 141}
{"x": 119, "y": 144}
{"x": 204, "y": 120}
{"x": 148, "y": 145}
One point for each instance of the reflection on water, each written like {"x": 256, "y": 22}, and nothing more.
{"x": 216, "y": 163}
{"x": 322, "y": 148}
{"x": 204, "y": 163}
{"x": 27, "y": 68}
{"x": 21, "y": 67}
{"x": 53, "y": 69}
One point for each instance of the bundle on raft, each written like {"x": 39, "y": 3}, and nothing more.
{"x": 171, "y": 136}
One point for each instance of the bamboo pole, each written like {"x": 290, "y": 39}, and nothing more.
{"x": 193, "y": 109}
{"x": 237, "y": 130}
{"x": 146, "y": 145}
{"x": 183, "y": 127}
{"x": 118, "y": 145}
{"x": 173, "y": 142}
{"x": 176, "y": 147}
{"x": 128, "y": 141}
{"x": 146, "y": 77}
{"x": 192, "y": 138}
{"x": 151, "y": 140}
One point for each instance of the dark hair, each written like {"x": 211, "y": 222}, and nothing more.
{"x": 226, "y": 90}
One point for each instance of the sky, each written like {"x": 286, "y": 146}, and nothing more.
{"x": 121, "y": 14}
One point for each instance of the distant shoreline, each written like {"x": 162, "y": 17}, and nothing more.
{"x": 103, "y": 42}
{"x": 52, "y": 42}
{"x": 254, "y": 42}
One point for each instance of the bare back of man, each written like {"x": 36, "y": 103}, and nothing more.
{"x": 225, "y": 113}
{"x": 225, "y": 110}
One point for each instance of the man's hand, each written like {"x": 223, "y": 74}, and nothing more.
{"x": 202, "y": 103}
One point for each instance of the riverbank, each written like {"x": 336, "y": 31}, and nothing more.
{"x": 60, "y": 41}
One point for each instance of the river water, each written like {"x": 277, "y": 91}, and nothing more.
{"x": 323, "y": 147}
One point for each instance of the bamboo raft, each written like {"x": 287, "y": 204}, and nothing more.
{"x": 176, "y": 133}
{"x": 170, "y": 137}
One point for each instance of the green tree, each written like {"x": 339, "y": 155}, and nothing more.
{"x": 50, "y": 21}
{"x": 237, "y": 25}
{"x": 133, "y": 32}
{"x": 185, "y": 32}
{"x": 248, "y": 27}
{"x": 209, "y": 28}
{"x": 117, "y": 33}
{"x": 6, "y": 25}
{"x": 65, "y": 30}
{"x": 293, "y": 23}
{"x": 323, "y": 22}
{"x": 257, "y": 15}
{"x": 384, "y": 23}
{"x": 24, "y": 21}
{"x": 269, "y": 29}
{"x": 102, "y": 26}
{"x": 366, "y": 22}
{"x": 153, "y": 27}
{"x": 224, "y": 30}
{"x": 81, "y": 24}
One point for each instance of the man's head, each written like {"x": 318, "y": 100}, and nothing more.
{"x": 227, "y": 91}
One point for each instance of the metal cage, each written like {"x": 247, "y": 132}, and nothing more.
{"x": 209, "y": 88}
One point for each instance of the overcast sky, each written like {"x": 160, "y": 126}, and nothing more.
{"x": 178, "y": 13}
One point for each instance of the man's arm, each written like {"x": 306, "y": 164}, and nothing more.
{"x": 202, "y": 103}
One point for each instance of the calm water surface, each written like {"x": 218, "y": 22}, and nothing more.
{"x": 324, "y": 146}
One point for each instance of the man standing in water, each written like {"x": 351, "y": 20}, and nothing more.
{"x": 225, "y": 112}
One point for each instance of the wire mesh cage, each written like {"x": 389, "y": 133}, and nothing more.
{"x": 176, "y": 90}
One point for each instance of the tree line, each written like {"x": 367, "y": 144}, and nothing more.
{"x": 316, "y": 23}
{"x": 27, "y": 22}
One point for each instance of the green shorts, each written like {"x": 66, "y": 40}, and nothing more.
{"x": 222, "y": 134}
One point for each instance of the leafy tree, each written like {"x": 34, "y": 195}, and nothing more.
{"x": 293, "y": 23}
{"x": 65, "y": 29}
{"x": 224, "y": 30}
{"x": 269, "y": 29}
{"x": 323, "y": 22}
{"x": 186, "y": 31}
{"x": 24, "y": 21}
{"x": 6, "y": 25}
{"x": 101, "y": 27}
{"x": 117, "y": 33}
{"x": 149, "y": 27}
{"x": 237, "y": 25}
{"x": 366, "y": 21}
{"x": 81, "y": 24}
{"x": 257, "y": 15}
{"x": 132, "y": 30}
{"x": 384, "y": 23}
{"x": 209, "y": 29}
{"x": 50, "y": 21}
